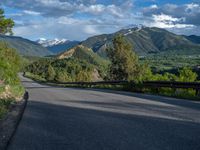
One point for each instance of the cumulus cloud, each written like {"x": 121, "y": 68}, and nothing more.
{"x": 166, "y": 21}
{"x": 78, "y": 19}
{"x": 182, "y": 19}
{"x": 67, "y": 17}
{"x": 190, "y": 12}
{"x": 57, "y": 8}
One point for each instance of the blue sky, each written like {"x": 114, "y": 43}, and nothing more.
{"x": 80, "y": 19}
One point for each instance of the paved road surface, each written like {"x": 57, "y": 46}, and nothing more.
{"x": 83, "y": 119}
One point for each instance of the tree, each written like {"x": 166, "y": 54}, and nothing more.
{"x": 62, "y": 76}
{"x": 84, "y": 75}
{"x": 50, "y": 73}
{"x": 187, "y": 75}
{"x": 6, "y": 25}
{"x": 124, "y": 62}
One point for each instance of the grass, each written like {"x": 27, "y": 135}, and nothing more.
{"x": 17, "y": 92}
{"x": 4, "y": 106}
{"x": 34, "y": 77}
{"x": 188, "y": 94}
{"x": 178, "y": 93}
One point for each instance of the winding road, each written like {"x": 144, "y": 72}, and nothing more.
{"x": 88, "y": 119}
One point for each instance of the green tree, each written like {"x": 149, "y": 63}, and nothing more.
{"x": 62, "y": 76}
{"x": 50, "y": 73}
{"x": 187, "y": 75}
{"x": 84, "y": 76}
{"x": 124, "y": 62}
{"x": 6, "y": 25}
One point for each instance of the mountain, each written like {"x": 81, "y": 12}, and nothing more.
{"x": 83, "y": 53}
{"x": 145, "y": 40}
{"x": 193, "y": 38}
{"x": 25, "y": 47}
{"x": 47, "y": 43}
{"x": 57, "y": 46}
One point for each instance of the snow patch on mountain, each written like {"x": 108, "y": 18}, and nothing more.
{"x": 135, "y": 26}
{"x": 48, "y": 43}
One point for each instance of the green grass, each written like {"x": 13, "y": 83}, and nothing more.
{"x": 17, "y": 90}
{"x": 35, "y": 77}
{"x": 4, "y": 106}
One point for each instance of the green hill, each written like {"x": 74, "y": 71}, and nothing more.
{"x": 25, "y": 47}
{"x": 83, "y": 53}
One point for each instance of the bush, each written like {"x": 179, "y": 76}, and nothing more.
{"x": 9, "y": 64}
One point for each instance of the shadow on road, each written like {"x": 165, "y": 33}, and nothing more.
{"x": 48, "y": 126}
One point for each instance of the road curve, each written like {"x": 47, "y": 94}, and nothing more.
{"x": 86, "y": 119}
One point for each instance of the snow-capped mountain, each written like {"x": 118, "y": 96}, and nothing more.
{"x": 57, "y": 45}
{"x": 48, "y": 43}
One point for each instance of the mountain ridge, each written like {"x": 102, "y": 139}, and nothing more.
{"x": 24, "y": 46}
{"x": 145, "y": 40}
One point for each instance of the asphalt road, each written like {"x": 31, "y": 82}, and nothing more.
{"x": 87, "y": 119}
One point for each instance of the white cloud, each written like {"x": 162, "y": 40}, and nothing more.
{"x": 153, "y": 6}
{"x": 94, "y": 9}
{"x": 29, "y": 12}
{"x": 165, "y": 18}
{"x": 192, "y": 8}
{"x": 88, "y": 29}
{"x": 166, "y": 21}
{"x": 100, "y": 9}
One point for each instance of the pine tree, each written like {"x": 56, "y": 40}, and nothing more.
{"x": 124, "y": 64}
{"x": 6, "y": 25}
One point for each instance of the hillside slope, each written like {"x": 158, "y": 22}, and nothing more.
{"x": 193, "y": 38}
{"x": 145, "y": 41}
{"x": 25, "y": 47}
{"x": 83, "y": 53}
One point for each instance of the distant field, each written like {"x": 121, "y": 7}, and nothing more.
{"x": 169, "y": 63}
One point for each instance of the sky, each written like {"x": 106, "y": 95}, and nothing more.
{"x": 80, "y": 19}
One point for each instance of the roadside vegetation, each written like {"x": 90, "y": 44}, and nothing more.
{"x": 11, "y": 89}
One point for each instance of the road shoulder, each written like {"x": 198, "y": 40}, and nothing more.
{"x": 9, "y": 123}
